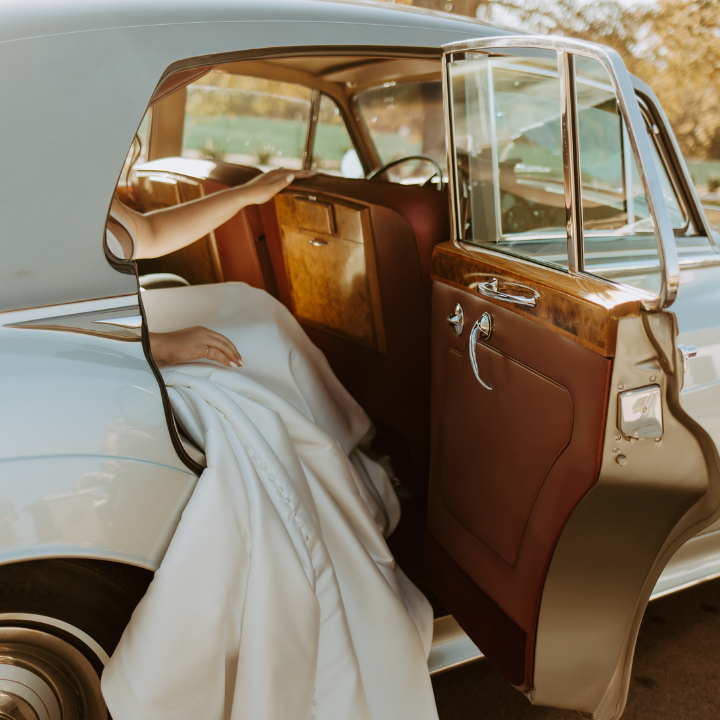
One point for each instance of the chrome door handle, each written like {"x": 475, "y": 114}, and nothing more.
{"x": 318, "y": 243}
{"x": 482, "y": 330}
{"x": 491, "y": 289}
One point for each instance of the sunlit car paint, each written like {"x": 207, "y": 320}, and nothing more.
{"x": 88, "y": 465}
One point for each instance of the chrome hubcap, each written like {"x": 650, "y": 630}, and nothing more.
{"x": 14, "y": 708}
{"x": 43, "y": 677}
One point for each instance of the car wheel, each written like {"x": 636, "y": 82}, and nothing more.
{"x": 60, "y": 620}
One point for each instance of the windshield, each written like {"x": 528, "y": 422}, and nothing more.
{"x": 405, "y": 119}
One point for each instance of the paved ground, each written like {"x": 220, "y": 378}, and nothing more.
{"x": 676, "y": 674}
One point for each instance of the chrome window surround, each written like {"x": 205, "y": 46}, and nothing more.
{"x": 566, "y": 49}
{"x": 654, "y": 132}
{"x": 670, "y": 152}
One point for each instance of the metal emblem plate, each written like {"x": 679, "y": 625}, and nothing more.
{"x": 640, "y": 413}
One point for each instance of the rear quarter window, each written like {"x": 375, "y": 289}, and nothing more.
{"x": 246, "y": 120}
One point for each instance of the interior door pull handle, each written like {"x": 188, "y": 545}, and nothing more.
{"x": 482, "y": 330}
{"x": 318, "y": 243}
{"x": 491, "y": 289}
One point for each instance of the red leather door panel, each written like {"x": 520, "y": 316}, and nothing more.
{"x": 509, "y": 465}
{"x": 526, "y": 419}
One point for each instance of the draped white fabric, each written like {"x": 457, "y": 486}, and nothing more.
{"x": 278, "y": 597}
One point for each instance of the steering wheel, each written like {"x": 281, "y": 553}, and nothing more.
{"x": 438, "y": 170}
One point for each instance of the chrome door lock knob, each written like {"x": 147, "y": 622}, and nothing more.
{"x": 456, "y": 319}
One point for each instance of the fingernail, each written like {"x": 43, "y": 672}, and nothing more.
{"x": 232, "y": 364}
{"x": 289, "y": 178}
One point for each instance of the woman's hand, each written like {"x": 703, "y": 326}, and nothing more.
{"x": 263, "y": 187}
{"x": 195, "y": 343}
{"x": 163, "y": 231}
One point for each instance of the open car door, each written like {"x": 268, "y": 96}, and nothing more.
{"x": 564, "y": 471}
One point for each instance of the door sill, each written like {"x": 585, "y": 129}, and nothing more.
{"x": 451, "y": 647}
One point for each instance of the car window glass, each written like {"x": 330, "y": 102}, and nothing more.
{"x": 405, "y": 119}
{"x": 618, "y": 230}
{"x": 678, "y": 215}
{"x": 508, "y": 145}
{"x": 246, "y": 120}
{"x": 332, "y": 141}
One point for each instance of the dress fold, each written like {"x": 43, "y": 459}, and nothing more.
{"x": 278, "y": 597}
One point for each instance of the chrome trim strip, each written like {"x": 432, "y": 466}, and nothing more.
{"x": 456, "y": 229}
{"x": 131, "y": 321}
{"x": 494, "y": 151}
{"x": 124, "y": 323}
{"x": 630, "y": 110}
{"x": 74, "y": 307}
{"x": 571, "y": 159}
{"x": 669, "y": 141}
{"x": 102, "y": 656}
{"x": 696, "y": 261}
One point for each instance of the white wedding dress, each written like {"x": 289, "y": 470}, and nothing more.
{"x": 278, "y": 598}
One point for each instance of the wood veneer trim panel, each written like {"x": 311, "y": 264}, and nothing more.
{"x": 579, "y": 307}
{"x": 313, "y": 216}
{"x": 333, "y": 287}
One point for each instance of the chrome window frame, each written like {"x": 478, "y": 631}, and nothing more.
{"x": 566, "y": 49}
{"x": 671, "y": 154}
{"x": 315, "y": 121}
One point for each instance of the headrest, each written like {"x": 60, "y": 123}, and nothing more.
{"x": 178, "y": 80}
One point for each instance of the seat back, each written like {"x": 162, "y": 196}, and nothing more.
{"x": 235, "y": 251}
{"x": 350, "y": 258}
{"x": 376, "y": 332}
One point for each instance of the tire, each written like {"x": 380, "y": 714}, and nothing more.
{"x": 60, "y": 620}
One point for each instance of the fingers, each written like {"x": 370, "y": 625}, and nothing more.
{"x": 220, "y": 357}
{"x": 221, "y": 343}
{"x": 194, "y": 343}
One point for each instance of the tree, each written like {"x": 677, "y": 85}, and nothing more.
{"x": 673, "y": 45}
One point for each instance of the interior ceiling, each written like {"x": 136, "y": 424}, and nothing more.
{"x": 352, "y": 71}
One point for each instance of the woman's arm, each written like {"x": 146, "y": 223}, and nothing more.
{"x": 162, "y": 231}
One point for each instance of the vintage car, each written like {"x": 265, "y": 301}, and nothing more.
{"x": 501, "y": 255}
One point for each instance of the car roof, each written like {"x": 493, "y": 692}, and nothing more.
{"x": 77, "y": 78}
{"x": 21, "y": 19}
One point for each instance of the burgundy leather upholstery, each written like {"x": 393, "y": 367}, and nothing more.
{"x": 407, "y": 223}
{"x": 509, "y": 465}
{"x": 240, "y": 241}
